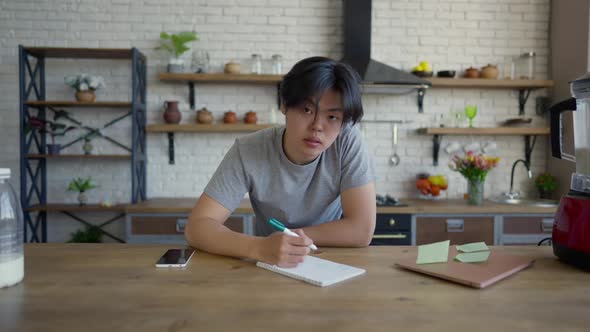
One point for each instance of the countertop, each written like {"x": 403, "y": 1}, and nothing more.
{"x": 415, "y": 206}
{"x": 115, "y": 287}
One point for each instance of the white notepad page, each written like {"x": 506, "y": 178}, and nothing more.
{"x": 316, "y": 271}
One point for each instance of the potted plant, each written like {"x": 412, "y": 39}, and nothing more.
{"x": 81, "y": 186}
{"x": 85, "y": 85}
{"x": 175, "y": 44}
{"x": 52, "y": 128}
{"x": 546, "y": 184}
{"x": 92, "y": 234}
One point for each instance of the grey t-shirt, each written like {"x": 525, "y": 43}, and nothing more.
{"x": 296, "y": 195}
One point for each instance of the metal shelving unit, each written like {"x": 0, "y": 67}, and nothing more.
{"x": 33, "y": 156}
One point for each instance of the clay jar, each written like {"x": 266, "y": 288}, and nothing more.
{"x": 250, "y": 117}
{"x": 171, "y": 114}
{"x": 471, "y": 73}
{"x": 204, "y": 116}
{"x": 489, "y": 71}
{"x": 232, "y": 68}
{"x": 229, "y": 117}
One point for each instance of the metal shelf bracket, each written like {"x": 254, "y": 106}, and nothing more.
{"x": 523, "y": 96}
{"x": 436, "y": 140}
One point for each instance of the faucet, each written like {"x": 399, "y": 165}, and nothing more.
{"x": 511, "y": 194}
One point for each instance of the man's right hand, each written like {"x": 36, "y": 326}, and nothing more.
{"x": 284, "y": 250}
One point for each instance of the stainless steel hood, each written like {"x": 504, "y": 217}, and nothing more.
{"x": 357, "y": 51}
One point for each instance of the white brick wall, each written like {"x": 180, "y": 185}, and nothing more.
{"x": 449, "y": 34}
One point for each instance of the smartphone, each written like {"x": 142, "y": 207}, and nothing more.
{"x": 175, "y": 258}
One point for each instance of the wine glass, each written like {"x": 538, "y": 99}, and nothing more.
{"x": 470, "y": 113}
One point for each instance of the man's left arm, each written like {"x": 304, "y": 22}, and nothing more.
{"x": 357, "y": 225}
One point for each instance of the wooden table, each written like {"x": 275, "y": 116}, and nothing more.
{"x": 115, "y": 287}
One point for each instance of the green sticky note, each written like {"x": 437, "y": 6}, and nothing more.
{"x": 433, "y": 253}
{"x": 473, "y": 257}
{"x": 473, "y": 247}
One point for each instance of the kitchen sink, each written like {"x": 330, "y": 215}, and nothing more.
{"x": 525, "y": 201}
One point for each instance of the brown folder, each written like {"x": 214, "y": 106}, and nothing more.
{"x": 479, "y": 275}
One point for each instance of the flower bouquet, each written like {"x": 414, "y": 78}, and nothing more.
{"x": 474, "y": 168}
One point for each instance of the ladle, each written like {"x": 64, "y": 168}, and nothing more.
{"x": 395, "y": 159}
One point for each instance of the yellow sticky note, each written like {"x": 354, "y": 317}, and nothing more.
{"x": 473, "y": 257}
{"x": 473, "y": 247}
{"x": 433, "y": 253}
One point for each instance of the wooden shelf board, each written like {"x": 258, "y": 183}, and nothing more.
{"x": 79, "y": 156}
{"x": 77, "y": 207}
{"x": 488, "y": 83}
{"x": 80, "y": 53}
{"x": 68, "y": 103}
{"x": 221, "y": 78}
{"x": 162, "y": 128}
{"x": 486, "y": 131}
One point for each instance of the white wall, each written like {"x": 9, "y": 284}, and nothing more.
{"x": 450, "y": 34}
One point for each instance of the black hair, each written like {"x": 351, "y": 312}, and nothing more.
{"x": 311, "y": 77}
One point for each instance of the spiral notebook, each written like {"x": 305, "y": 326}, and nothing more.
{"x": 316, "y": 271}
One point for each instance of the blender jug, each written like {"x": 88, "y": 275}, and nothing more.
{"x": 580, "y": 103}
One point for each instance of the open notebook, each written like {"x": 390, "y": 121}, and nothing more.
{"x": 316, "y": 271}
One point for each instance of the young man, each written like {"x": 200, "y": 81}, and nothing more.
{"x": 313, "y": 175}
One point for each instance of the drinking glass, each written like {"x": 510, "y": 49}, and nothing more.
{"x": 200, "y": 61}
{"x": 470, "y": 113}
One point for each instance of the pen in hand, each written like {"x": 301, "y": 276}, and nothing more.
{"x": 278, "y": 225}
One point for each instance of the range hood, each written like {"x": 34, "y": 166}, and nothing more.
{"x": 357, "y": 52}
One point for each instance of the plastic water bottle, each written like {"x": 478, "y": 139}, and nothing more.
{"x": 12, "y": 263}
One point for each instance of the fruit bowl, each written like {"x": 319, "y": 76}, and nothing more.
{"x": 430, "y": 186}
{"x": 422, "y": 73}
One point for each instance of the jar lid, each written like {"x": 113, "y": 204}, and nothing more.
{"x": 528, "y": 55}
{"x": 4, "y": 173}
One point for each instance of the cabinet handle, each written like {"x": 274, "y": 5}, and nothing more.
{"x": 181, "y": 225}
{"x": 455, "y": 225}
{"x": 391, "y": 222}
{"x": 390, "y": 236}
{"x": 546, "y": 225}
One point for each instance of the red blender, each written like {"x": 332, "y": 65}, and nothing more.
{"x": 571, "y": 230}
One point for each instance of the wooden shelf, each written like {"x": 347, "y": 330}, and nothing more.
{"x": 488, "y": 83}
{"x": 71, "y": 103}
{"x": 187, "y": 128}
{"x": 220, "y": 78}
{"x": 486, "y": 131}
{"x": 77, "y": 208}
{"x": 78, "y": 156}
{"x": 80, "y": 53}
{"x": 438, "y": 132}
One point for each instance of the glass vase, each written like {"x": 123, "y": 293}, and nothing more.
{"x": 475, "y": 191}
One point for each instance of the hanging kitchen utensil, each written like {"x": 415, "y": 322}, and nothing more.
{"x": 395, "y": 159}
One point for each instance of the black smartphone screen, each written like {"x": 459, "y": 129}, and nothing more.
{"x": 175, "y": 257}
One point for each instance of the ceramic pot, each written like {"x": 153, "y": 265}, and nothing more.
{"x": 230, "y": 117}
{"x": 87, "y": 96}
{"x": 471, "y": 73}
{"x": 82, "y": 198}
{"x": 489, "y": 72}
{"x": 232, "y": 68}
{"x": 175, "y": 65}
{"x": 250, "y": 117}
{"x": 204, "y": 116}
{"x": 172, "y": 114}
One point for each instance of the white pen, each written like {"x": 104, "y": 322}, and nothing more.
{"x": 278, "y": 225}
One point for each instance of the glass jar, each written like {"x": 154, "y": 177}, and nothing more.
{"x": 11, "y": 234}
{"x": 256, "y": 64}
{"x": 277, "y": 64}
{"x": 525, "y": 66}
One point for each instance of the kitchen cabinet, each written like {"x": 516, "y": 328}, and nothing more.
{"x": 166, "y": 228}
{"x": 459, "y": 229}
{"x": 525, "y": 230}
